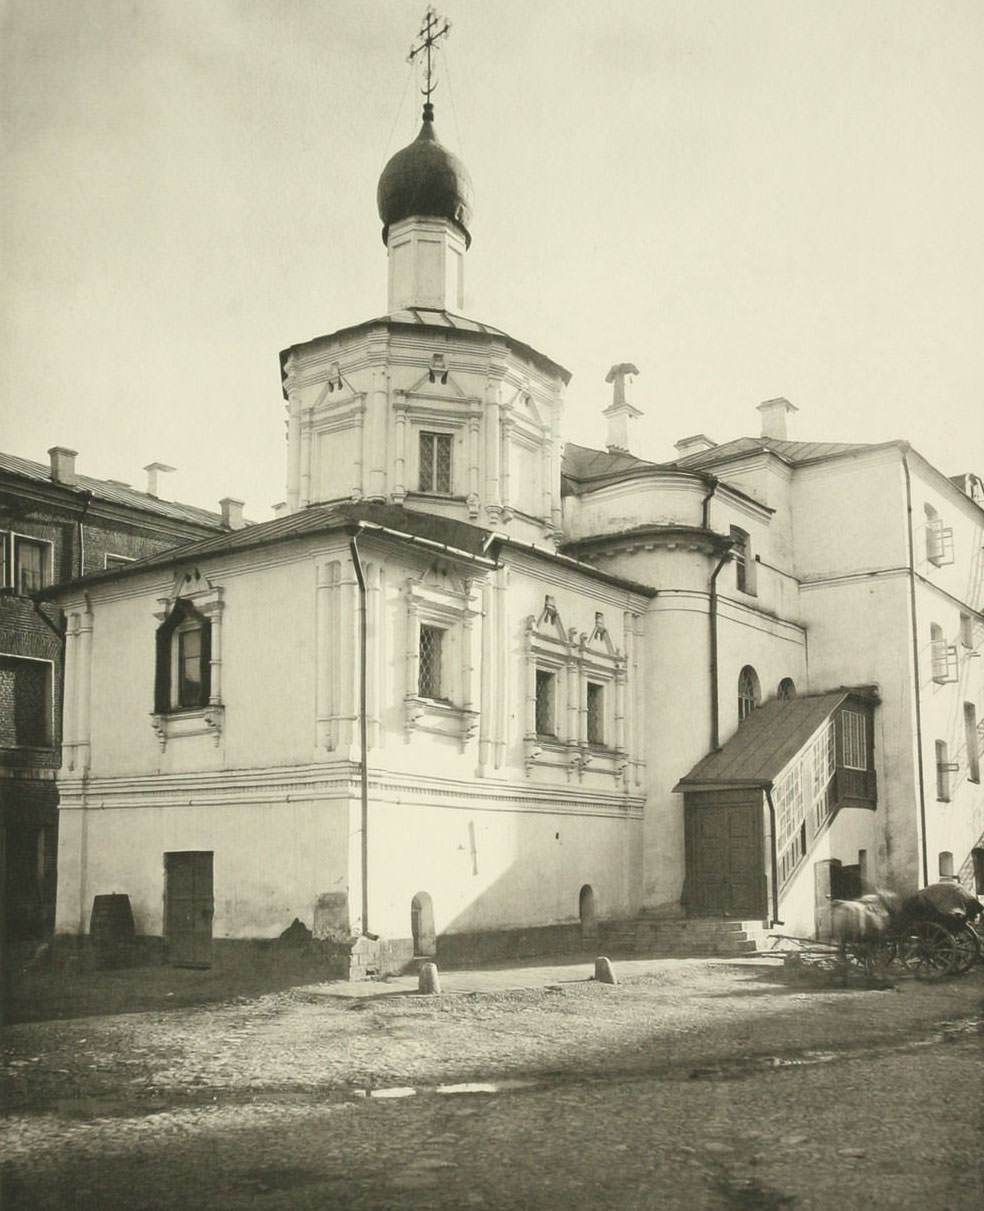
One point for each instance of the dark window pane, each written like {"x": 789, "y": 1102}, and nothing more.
{"x": 431, "y": 650}
{"x": 190, "y": 668}
{"x": 596, "y": 713}
{"x": 546, "y": 715}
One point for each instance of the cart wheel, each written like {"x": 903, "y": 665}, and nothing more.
{"x": 967, "y": 948}
{"x": 928, "y": 951}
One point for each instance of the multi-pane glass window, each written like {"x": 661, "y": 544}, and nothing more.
{"x": 546, "y": 703}
{"x": 189, "y": 667}
{"x": 739, "y": 552}
{"x": 431, "y": 653}
{"x": 854, "y": 742}
{"x": 30, "y": 558}
{"x": 596, "y": 713}
{"x": 435, "y": 462}
{"x": 749, "y": 692}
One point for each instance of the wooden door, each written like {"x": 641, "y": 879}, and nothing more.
{"x": 188, "y": 907}
{"x": 725, "y": 855}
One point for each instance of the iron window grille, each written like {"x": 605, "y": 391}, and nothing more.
{"x": 546, "y": 703}
{"x": 596, "y": 713}
{"x": 435, "y": 463}
{"x": 431, "y": 655}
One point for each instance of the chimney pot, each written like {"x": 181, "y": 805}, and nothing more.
{"x": 232, "y": 513}
{"x": 774, "y": 417}
{"x": 63, "y": 466}
{"x": 620, "y": 412}
{"x": 153, "y": 470}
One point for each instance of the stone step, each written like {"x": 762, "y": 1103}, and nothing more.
{"x": 681, "y": 936}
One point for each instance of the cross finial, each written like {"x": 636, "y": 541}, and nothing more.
{"x": 431, "y": 31}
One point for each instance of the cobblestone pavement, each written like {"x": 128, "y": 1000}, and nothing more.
{"x": 684, "y": 1073}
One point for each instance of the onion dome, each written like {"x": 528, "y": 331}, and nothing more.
{"x": 425, "y": 179}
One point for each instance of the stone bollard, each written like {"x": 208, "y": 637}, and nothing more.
{"x": 430, "y": 979}
{"x": 604, "y": 971}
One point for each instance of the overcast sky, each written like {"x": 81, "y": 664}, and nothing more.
{"x": 746, "y": 198}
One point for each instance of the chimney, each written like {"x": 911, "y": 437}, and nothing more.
{"x": 620, "y": 412}
{"x": 153, "y": 469}
{"x": 232, "y": 513}
{"x": 774, "y": 414}
{"x": 63, "y": 466}
{"x": 696, "y": 444}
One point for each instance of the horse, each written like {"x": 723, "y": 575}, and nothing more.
{"x": 862, "y": 923}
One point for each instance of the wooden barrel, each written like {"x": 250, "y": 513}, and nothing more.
{"x": 111, "y": 930}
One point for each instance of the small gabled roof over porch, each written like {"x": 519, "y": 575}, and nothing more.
{"x": 768, "y": 739}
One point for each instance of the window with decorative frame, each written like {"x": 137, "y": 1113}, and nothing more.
{"x": 187, "y": 679}
{"x": 576, "y": 697}
{"x": 442, "y": 607}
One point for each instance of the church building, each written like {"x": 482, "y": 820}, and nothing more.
{"x": 480, "y": 691}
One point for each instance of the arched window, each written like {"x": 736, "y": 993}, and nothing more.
{"x": 749, "y": 692}
{"x": 184, "y": 650}
{"x": 787, "y": 690}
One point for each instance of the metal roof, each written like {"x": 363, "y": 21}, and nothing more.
{"x": 581, "y": 463}
{"x": 425, "y": 317}
{"x": 111, "y": 493}
{"x": 766, "y": 741}
{"x": 789, "y": 451}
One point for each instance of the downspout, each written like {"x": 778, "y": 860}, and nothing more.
{"x": 363, "y": 729}
{"x": 915, "y": 669}
{"x": 712, "y": 615}
{"x": 705, "y": 521}
{"x": 773, "y": 857}
{"x": 87, "y": 501}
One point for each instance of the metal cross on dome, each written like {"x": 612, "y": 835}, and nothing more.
{"x": 430, "y": 34}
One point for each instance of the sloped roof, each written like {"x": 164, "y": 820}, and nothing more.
{"x": 112, "y": 493}
{"x": 425, "y": 317}
{"x": 765, "y": 742}
{"x": 580, "y": 463}
{"x": 790, "y": 451}
{"x": 440, "y": 530}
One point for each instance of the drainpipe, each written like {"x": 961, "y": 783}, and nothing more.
{"x": 705, "y": 504}
{"x": 712, "y": 615}
{"x": 363, "y": 730}
{"x": 773, "y": 857}
{"x": 915, "y": 668}
{"x": 705, "y": 521}
{"x": 86, "y": 502}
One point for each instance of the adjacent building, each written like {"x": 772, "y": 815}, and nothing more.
{"x": 57, "y": 525}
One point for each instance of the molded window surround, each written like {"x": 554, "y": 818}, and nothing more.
{"x": 187, "y": 681}
{"x": 575, "y": 697}
{"x": 441, "y": 611}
